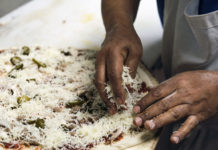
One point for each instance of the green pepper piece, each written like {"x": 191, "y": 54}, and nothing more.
{"x": 33, "y": 79}
{"x": 15, "y": 60}
{"x": 26, "y": 50}
{"x": 40, "y": 123}
{"x": 31, "y": 121}
{"x": 19, "y": 100}
{"x": 39, "y": 64}
{"x": 22, "y": 99}
{"x": 18, "y": 67}
{"x": 11, "y": 76}
{"x": 74, "y": 103}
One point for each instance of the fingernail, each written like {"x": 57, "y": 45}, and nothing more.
{"x": 138, "y": 121}
{"x": 175, "y": 139}
{"x": 111, "y": 111}
{"x": 150, "y": 124}
{"x": 119, "y": 101}
{"x": 136, "y": 109}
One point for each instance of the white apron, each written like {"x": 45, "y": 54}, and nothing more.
{"x": 190, "y": 41}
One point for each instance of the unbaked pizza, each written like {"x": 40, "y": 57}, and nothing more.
{"x": 48, "y": 101}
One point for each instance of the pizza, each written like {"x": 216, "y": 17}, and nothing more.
{"x": 48, "y": 101}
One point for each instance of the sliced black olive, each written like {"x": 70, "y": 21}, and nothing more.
{"x": 66, "y": 53}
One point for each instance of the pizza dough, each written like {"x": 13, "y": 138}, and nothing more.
{"x": 49, "y": 101}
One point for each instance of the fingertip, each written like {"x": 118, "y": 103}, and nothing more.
{"x": 111, "y": 108}
{"x": 137, "y": 121}
{"x": 120, "y": 101}
{"x": 133, "y": 74}
{"x": 175, "y": 139}
{"x": 149, "y": 124}
{"x": 111, "y": 111}
{"x": 136, "y": 109}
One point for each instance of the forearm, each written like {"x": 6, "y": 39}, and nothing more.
{"x": 119, "y": 12}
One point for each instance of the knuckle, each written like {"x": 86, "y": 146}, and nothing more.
{"x": 114, "y": 49}
{"x": 114, "y": 77}
{"x": 194, "y": 121}
{"x": 156, "y": 92}
{"x": 175, "y": 114}
{"x": 163, "y": 106}
{"x": 142, "y": 102}
{"x": 98, "y": 83}
{"x": 183, "y": 83}
{"x": 113, "y": 53}
{"x": 189, "y": 109}
{"x": 118, "y": 93}
{"x": 100, "y": 54}
{"x": 186, "y": 92}
{"x": 144, "y": 115}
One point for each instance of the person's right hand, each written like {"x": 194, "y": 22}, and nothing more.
{"x": 121, "y": 46}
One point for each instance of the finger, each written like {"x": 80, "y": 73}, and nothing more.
{"x": 133, "y": 60}
{"x": 170, "y": 116}
{"x": 185, "y": 129}
{"x": 114, "y": 71}
{"x": 163, "y": 90}
{"x": 156, "y": 109}
{"x": 100, "y": 80}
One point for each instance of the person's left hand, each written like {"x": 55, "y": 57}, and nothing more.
{"x": 191, "y": 94}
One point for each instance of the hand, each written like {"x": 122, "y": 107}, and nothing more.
{"x": 191, "y": 94}
{"x": 121, "y": 47}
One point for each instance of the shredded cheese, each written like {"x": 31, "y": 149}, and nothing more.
{"x": 51, "y": 91}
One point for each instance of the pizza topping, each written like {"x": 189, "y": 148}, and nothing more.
{"x": 22, "y": 99}
{"x": 68, "y": 127}
{"x": 11, "y": 76}
{"x": 11, "y": 92}
{"x": 130, "y": 89}
{"x": 20, "y": 118}
{"x": 66, "y": 53}
{"x": 143, "y": 88}
{"x": 120, "y": 137}
{"x": 74, "y": 103}
{"x": 11, "y": 145}
{"x": 32, "y": 79}
{"x": 17, "y": 67}
{"x": 25, "y": 50}
{"x": 31, "y": 121}
{"x": 59, "y": 107}
{"x": 39, "y": 123}
{"x": 37, "y": 48}
{"x": 38, "y": 63}
{"x": 15, "y": 60}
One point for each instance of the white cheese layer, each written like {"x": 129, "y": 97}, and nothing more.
{"x": 67, "y": 74}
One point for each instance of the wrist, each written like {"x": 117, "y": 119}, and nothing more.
{"x": 120, "y": 27}
{"x": 124, "y": 24}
